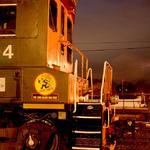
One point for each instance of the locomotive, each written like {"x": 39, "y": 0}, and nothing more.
{"x": 45, "y": 82}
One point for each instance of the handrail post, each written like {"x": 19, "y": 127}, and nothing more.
{"x": 102, "y": 86}
{"x": 75, "y": 85}
{"x": 83, "y": 57}
{"x": 108, "y": 123}
{"x": 89, "y": 72}
{"x": 103, "y": 80}
{"x": 82, "y": 66}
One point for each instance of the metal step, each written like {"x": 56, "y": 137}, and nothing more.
{"x": 87, "y": 126}
{"x": 85, "y": 148}
{"x": 86, "y": 132}
{"x": 89, "y": 109}
{"x": 86, "y": 142}
{"x": 87, "y": 117}
{"x": 89, "y": 103}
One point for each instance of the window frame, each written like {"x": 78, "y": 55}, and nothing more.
{"x": 62, "y": 50}
{"x": 53, "y": 23}
{"x": 9, "y": 34}
{"x": 69, "y": 29}
{"x": 62, "y": 20}
{"x": 69, "y": 55}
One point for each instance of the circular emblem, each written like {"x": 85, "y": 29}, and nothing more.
{"x": 90, "y": 107}
{"x": 45, "y": 84}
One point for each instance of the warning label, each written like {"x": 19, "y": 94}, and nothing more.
{"x": 45, "y": 84}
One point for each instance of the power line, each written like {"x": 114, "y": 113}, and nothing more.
{"x": 112, "y": 42}
{"x": 116, "y": 49}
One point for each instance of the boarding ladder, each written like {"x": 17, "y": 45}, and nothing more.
{"x": 89, "y": 122}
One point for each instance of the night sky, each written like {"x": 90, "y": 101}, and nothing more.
{"x": 117, "y": 31}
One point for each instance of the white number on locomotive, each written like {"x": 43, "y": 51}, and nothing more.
{"x": 8, "y": 52}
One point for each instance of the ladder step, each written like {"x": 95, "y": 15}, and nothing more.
{"x": 89, "y": 109}
{"x": 85, "y": 148}
{"x": 87, "y": 126}
{"x": 89, "y": 103}
{"x": 86, "y": 132}
{"x": 87, "y": 142}
{"x": 87, "y": 117}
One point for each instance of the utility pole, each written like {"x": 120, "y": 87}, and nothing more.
{"x": 122, "y": 92}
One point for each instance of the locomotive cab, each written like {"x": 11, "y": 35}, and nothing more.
{"x": 36, "y": 38}
{"x": 36, "y": 33}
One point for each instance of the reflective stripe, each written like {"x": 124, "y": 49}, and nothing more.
{"x": 43, "y": 106}
{"x": 8, "y": 4}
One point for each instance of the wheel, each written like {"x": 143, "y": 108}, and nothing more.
{"x": 38, "y": 135}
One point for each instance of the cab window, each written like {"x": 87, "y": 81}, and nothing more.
{"x": 53, "y": 15}
{"x": 7, "y": 19}
{"x": 69, "y": 55}
{"x": 69, "y": 30}
{"x": 62, "y": 20}
{"x": 62, "y": 49}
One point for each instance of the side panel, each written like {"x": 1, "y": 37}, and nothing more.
{"x": 10, "y": 85}
{"x": 19, "y": 85}
{"x": 30, "y": 93}
{"x": 29, "y": 45}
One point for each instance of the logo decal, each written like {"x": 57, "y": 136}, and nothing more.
{"x": 45, "y": 84}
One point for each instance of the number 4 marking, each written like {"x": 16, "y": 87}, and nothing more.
{"x": 8, "y": 52}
